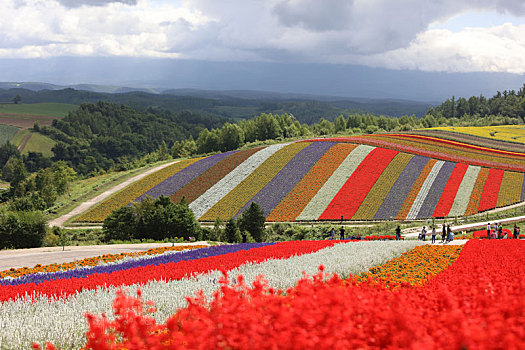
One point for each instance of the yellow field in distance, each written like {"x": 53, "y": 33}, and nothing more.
{"x": 513, "y": 133}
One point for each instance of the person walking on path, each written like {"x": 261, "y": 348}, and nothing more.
{"x": 449, "y": 234}
{"x": 423, "y": 233}
{"x": 332, "y": 233}
{"x": 500, "y": 231}
{"x": 443, "y": 233}
{"x": 433, "y": 234}
{"x": 342, "y": 233}
{"x": 488, "y": 230}
{"x": 398, "y": 233}
{"x": 515, "y": 232}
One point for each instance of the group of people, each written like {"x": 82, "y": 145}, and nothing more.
{"x": 342, "y": 234}
{"x": 446, "y": 234}
{"x": 496, "y": 231}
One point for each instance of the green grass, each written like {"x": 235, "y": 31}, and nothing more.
{"x": 7, "y": 132}
{"x": 45, "y": 109}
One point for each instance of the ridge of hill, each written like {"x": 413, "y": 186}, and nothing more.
{"x": 238, "y": 104}
{"x": 370, "y": 177}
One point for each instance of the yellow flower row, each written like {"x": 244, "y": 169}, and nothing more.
{"x": 131, "y": 192}
{"x": 509, "y": 192}
{"x": 230, "y": 204}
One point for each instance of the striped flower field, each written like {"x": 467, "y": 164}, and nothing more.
{"x": 370, "y": 177}
{"x": 320, "y": 294}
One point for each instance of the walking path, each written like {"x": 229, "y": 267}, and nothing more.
{"x": 91, "y": 202}
{"x": 45, "y": 256}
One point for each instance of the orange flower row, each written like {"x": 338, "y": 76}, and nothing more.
{"x": 94, "y": 261}
{"x": 413, "y": 267}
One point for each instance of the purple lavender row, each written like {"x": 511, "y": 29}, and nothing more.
{"x": 523, "y": 189}
{"x": 288, "y": 177}
{"x": 183, "y": 177}
{"x": 436, "y": 190}
{"x": 131, "y": 264}
{"x": 399, "y": 191}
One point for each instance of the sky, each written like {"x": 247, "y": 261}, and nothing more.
{"x": 427, "y": 35}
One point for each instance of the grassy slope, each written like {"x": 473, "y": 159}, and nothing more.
{"x": 37, "y": 142}
{"x": 45, "y": 109}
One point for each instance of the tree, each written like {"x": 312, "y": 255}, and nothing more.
{"x": 121, "y": 224}
{"x": 252, "y": 220}
{"x": 216, "y": 233}
{"x": 17, "y": 99}
{"x": 232, "y": 232}
{"x": 232, "y": 137}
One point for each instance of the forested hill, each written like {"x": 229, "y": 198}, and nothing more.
{"x": 102, "y": 135}
{"x": 233, "y": 104}
{"x": 509, "y": 104}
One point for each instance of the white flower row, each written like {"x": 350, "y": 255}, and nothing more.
{"x": 464, "y": 191}
{"x": 214, "y": 194}
{"x": 423, "y": 192}
{"x": 62, "y": 321}
{"x": 324, "y": 196}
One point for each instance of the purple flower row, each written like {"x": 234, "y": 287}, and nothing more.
{"x": 434, "y": 194}
{"x": 183, "y": 177}
{"x": 399, "y": 191}
{"x": 130, "y": 264}
{"x": 286, "y": 179}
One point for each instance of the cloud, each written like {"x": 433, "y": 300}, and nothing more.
{"x": 79, "y": 3}
{"x": 393, "y": 34}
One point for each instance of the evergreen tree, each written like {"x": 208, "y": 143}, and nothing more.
{"x": 232, "y": 232}
{"x": 252, "y": 220}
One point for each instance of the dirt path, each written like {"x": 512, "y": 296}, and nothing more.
{"x": 91, "y": 202}
{"x": 45, "y": 256}
{"x": 24, "y": 142}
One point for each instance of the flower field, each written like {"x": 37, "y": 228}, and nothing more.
{"x": 312, "y": 294}
{"x": 370, "y": 177}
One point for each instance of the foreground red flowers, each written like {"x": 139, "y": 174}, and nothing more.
{"x": 476, "y": 303}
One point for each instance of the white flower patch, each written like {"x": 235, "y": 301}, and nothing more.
{"x": 214, "y": 194}
{"x": 423, "y": 192}
{"x": 333, "y": 185}
{"x": 63, "y": 323}
{"x": 464, "y": 191}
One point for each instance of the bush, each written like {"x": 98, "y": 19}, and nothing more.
{"x": 50, "y": 240}
{"x": 22, "y": 229}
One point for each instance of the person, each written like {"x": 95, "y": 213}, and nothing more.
{"x": 433, "y": 234}
{"x": 500, "y": 231}
{"x": 398, "y": 233}
{"x": 450, "y": 235}
{"x": 515, "y": 232}
{"x": 332, "y": 233}
{"x": 488, "y": 230}
{"x": 423, "y": 233}
{"x": 342, "y": 233}
{"x": 443, "y": 233}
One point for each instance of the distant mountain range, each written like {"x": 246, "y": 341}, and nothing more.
{"x": 234, "y": 104}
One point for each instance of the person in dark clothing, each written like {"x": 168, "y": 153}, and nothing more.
{"x": 443, "y": 233}
{"x": 433, "y": 234}
{"x": 398, "y": 233}
{"x": 342, "y": 233}
{"x": 515, "y": 232}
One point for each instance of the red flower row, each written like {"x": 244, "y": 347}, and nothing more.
{"x": 166, "y": 272}
{"x": 476, "y": 303}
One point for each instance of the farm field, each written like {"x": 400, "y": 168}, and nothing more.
{"x": 393, "y": 285}
{"x": 26, "y": 115}
{"x": 370, "y": 177}
{"x": 7, "y": 132}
